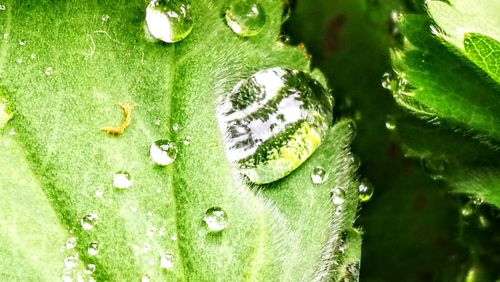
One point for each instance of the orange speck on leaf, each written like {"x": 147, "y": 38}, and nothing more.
{"x": 127, "y": 118}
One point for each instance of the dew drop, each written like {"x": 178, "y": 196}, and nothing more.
{"x": 169, "y": 21}
{"x": 22, "y": 43}
{"x": 163, "y": 152}
{"x": 19, "y": 60}
{"x": 93, "y": 248}
{"x": 6, "y": 112}
{"x": 274, "y": 120}
{"x": 5, "y": 36}
{"x": 167, "y": 261}
{"x": 88, "y": 221}
{"x": 48, "y": 71}
{"x": 90, "y": 268}
{"x": 66, "y": 275}
{"x": 365, "y": 190}
{"x": 187, "y": 140}
{"x": 245, "y": 18}
{"x": 105, "y": 18}
{"x": 122, "y": 180}
{"x": 216, "y": 219}
{"x": 2, "y": 7}
{"x": 71, "y": 243}
{"x": 175, "y": 127}
{"x": 173, "y": 238}
{"x": 99, "y": 192}
{"x": 467, "y": 210}
{"x": 33, "y": 56}
{"x": 145, "y": 278}
{"x": 71, "y": 261}
{"x": 477, "y": 201}
{"x": 338, "y": 196}
{"x": 387, "y": 81}
{"x": 319, "y": 175}
{"x": 157, "y": 122}
{"x": 390, "y": 123}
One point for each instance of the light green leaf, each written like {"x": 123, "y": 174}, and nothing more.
{"x": 484, "y": 51}
{"x": 66, "y": 80}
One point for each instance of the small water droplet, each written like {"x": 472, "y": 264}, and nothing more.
{"x": 22, "y": 43}
{"x": 365, "y": 190}
{"x": 187, "y": 140}
{"x": 477, "y": 201}
{"x": 435, "y": 167}
{"x": 163, "y": 152}
{"x": 167, "y": 261}
{"x": 19, "y": 60}
{"x": 246, "y": 18}
{"x": 337, "y": 195}
{"x": 145, "y": 278}
{"x": 390, "y": 123}
{"x": 93, "y": 248}
{"x": 387, "y": 81}
{"x": 216, "y": 219}
{"x": 71, "y": 261}
{"x": 33, "y": 56}
{"x": 467, "y": 210}
{"x": 105, "y": 18}
{"x": 122, "y": 180}
{"x": 173, "y": 238}
{"x": 90, "y": 268}
{"x": 319, "y": 175}
{"x": 70, "y": 243}
{"x": 175, "y": 127}
{"x": 12, "y": 132}
{"x": 157, "y": 122}
{"x": 66, "y": 275}
{"x": 48, "y": 71}
{"x": 6, "y": 112}
{"x": 99, "y": 192}
{"x": 88, "y": 221}
{"x": 169, "y": 21}
{"x": 2, "y": 7}
{"x": 6, "y": 36}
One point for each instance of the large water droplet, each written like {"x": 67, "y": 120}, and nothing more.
{"x": 71, "y": 261}
{"x": 71, "y": 243}
{"x": 163, "y": 152}
{"x": 319, "y": 175}
{"x": 5, "y": 112}
{"x": 88, "y": 221}
{"x": 93, "y": 248}
{"x": 122, "y": 180}
{"x": 215, "y": 219}
{"x": 365, "y": 190}
{"x": 245, "y": 18}
{"x": 167, "y": 261}
{"x": 274, "y": 121}
{"x": 169, "y": 20}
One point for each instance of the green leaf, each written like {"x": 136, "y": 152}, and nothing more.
{"x": 484, "y": 184}
{"x": 59, "y": 155}
{"x": 484, "y": 51}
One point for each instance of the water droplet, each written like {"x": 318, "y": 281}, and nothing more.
{"x": 477, "y": 201}
{"x": 122, "y": 180}
{"x": 169, "y": 21}
{"x": 66, "y": 275}
{"x": 19, "y": 60}
{"x": 6, "y": 112}
{"x": 338, "y": 196}
{"x": 435, "y": 167}
{"x": 2, "y": 7}
{"x": 71, "y": 261}
{"x": 145, "y": 278}
{"x": 33, "y": 56}
{"x": 163, "y": 152}
{"x": 365, "y": 190}
{"x": 105, "y": 18}
{"x": 187, "y": 140}
{"x": 215, "y": 219}
{"x": 245, "y": 18}
{"x": 173, "y": 238}
{"x": 157, "y": 122}
{"x": 390, "y": 123}
{"x": 167, "y": 261}
{"x": 12, "y": 132}
{"x": 93, "y": 248}
{"x": 5, "y": 36}
{"x": 90, "y": 268}
{"x": 99, "y": 192}
{"x": 319, "y": 175}
{"x": 175, "y": 127}
{"x": 22, "y": 43}
{"x": 88, "y": 221}
{"x": 48, "y": 71}
{"x": 467, "y": 210}
{"x": 274, "y": 121}
{"x": 71, "y": 243}
{"x": 387, "y": 81}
